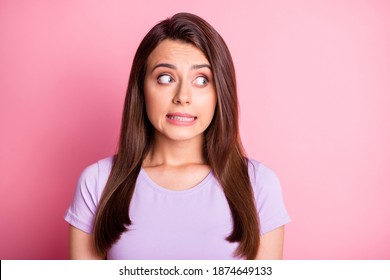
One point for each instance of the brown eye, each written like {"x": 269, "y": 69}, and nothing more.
{"x": 165, "y": 79}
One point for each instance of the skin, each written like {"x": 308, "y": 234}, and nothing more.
{"x": 178, "y": 80}
{"x": 81, "y": 245}
{"x": 271, "y": 245}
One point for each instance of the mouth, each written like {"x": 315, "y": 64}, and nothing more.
{"x": 181, "y": 117}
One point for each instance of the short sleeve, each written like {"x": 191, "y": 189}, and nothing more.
{"x": 82, "y": 210}
{"x": 269, "y": 198}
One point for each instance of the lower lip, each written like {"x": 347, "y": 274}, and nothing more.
{"x": 181, "y": 123}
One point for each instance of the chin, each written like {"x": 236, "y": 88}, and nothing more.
{"x": 182, "y": 138}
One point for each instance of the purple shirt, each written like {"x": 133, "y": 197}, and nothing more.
{"x": 170, "y": 224}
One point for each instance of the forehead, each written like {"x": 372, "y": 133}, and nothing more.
{"x": 176, "y": 52}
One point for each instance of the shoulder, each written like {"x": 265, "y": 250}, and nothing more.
{"x": 89, "y": 188}
{"x": 262, "y": 175}
{"x": 268, "y": 196}
{"x": 105, "y": 165}
{"x": 97, "y": 168}
{"x": 94, "y": 177}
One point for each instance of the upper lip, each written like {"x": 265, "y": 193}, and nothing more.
{"x": 179, "y": 114}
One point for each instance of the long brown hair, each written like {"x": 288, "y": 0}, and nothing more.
{"x": 222, "y": 150}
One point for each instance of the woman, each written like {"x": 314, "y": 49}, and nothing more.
{"x": 180, "y": 186}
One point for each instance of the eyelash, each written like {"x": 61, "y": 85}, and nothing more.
{"x": 164, "y": 75}
{"x": 172, "y": 80}
{"x": 206, "y": 81}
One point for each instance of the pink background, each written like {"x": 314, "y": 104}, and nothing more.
{"x": 314, "y": 94}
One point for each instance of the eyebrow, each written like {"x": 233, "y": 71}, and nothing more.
{"x": 171, "y": 66}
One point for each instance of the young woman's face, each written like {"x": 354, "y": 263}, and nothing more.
{"x": 179, "y": 91}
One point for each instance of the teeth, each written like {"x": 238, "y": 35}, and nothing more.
{"x": 181, "y": 119}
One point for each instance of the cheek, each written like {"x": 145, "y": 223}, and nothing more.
{"x": 150, "y": 104}
{"x": 212, "y": 112}
{"x": 155, "y": 107}
{"x": 209, "y": 109}
{"x": 213, "y": 104}
{"x": 152, "y": 108}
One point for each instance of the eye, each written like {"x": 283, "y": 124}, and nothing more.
{"x": 201, "y": 81}
{"x": 165, "y": 79}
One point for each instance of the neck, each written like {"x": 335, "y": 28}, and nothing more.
{"x": 170, "y": 152}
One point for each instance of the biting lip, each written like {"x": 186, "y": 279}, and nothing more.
{"x": 181, "y": 117}
{"x": 184, "y": 115}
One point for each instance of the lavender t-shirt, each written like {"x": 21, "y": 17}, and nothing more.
{"x": 169, "y": 224}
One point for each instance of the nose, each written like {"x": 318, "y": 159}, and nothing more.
{"x": 183, "y": 94}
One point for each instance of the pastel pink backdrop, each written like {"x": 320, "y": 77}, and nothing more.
{"x": 314, "y": 95}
